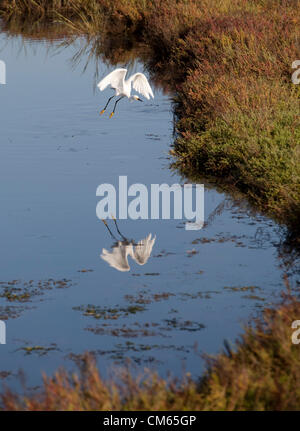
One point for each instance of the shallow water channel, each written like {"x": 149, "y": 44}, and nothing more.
{"x": 58, "y": 297}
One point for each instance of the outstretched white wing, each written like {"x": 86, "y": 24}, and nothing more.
{"x": 143, "y": 250}
{"x": 140, "y": 84}
{"x": 117, "y": 258}
{"x": 115, "y": 79}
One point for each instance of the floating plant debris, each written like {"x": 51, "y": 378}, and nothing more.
{"x": 39, "y": 350}
{"x": 113, "y": 313}
{"x": 18, "y": 292}
{"x": 23, "y": 291}
{"x": 144, "y": 298}
{"x": 242, "y": 288}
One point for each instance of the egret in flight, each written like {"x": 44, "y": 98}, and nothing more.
{"x": 123, "y": 87}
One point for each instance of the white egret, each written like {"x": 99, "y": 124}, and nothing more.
{"x": 142, "y": 251}
{"x": 118, "y": 257}
{"x": 123, "y": 87}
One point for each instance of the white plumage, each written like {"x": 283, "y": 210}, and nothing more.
{"x": 118, "y": 257}
{"x": 143, "y": 250}
{"x": 117, "y": 81}
{"x": 123, "y": 87}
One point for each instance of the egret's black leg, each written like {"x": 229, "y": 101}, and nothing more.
{"x": 111, "y": 234}
{"x": 103, "y": 110}
{"x": 115, "y": 106}
{"x": 125, "y": 239}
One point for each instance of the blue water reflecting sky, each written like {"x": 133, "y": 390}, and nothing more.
{"x": 55, "y": 151}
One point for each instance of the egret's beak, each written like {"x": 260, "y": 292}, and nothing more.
{"x": 140, "y": 100}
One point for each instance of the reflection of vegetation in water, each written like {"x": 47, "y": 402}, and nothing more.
{"x": 93, "y": 49}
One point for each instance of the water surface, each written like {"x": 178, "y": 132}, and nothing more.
{"x": 59, "y": 298}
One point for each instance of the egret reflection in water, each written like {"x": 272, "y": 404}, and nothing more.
{"x": 118, "y": 258}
